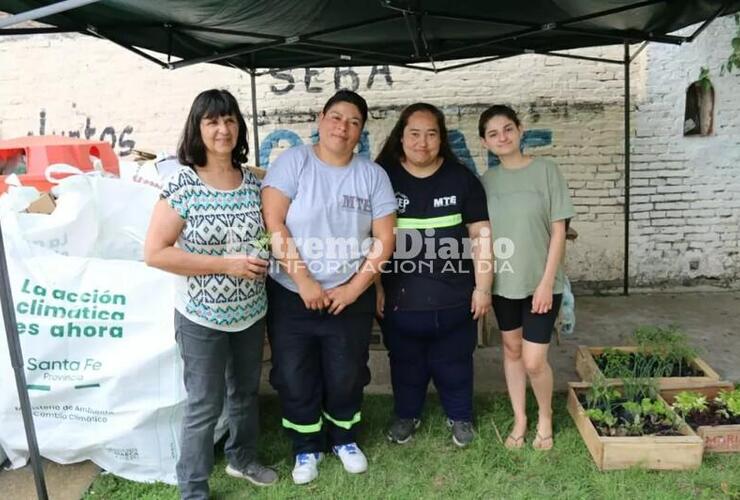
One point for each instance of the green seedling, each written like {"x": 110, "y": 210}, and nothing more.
{"x": 689, "y": 401}
{"x": 262, "y": 242}
{"x": 729, "y": 402}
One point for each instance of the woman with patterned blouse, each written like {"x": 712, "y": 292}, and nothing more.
{"x": 208, "y": 213}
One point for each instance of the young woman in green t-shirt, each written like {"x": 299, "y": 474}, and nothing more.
{"x": 528, "y": 205}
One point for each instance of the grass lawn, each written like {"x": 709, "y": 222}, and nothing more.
{"x": 430, "y": 466}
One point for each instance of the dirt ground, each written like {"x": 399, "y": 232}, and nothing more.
{"x": 710, "y": 318}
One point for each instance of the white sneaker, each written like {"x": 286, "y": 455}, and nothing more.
{"x": 306, "y": 467}
{"x": 352, "y": 458}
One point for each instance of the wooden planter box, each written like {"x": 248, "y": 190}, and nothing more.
{"x": 649, "y": 452}
{"x": 587, "y": 369}
{"x": 717, "y": 438}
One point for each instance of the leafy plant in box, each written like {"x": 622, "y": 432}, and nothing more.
{"x": 615, "y": 363}
{"x": 667, "y": 347}
{"x": 601, "y": 395}
{"x": 604, "y": 420}
{"x": 729, "y": 402}
{"x": 687, "y": 402}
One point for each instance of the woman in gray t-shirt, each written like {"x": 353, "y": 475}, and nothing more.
{"x": 323, "y": 205}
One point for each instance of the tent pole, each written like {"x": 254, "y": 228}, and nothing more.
{"x": 49, "y": 10}
{"x": 256, "y": 145}
{"x": 626, "y": 278}
{"x": 16, "y": 360}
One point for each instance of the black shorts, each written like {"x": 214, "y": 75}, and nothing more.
{"x": 515, "y": 313}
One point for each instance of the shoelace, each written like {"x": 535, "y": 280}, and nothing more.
{"x": 304, "y": 458}
{"x": 349, "y": 448}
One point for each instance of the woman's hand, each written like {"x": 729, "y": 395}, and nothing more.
{"x": 314, "y": 297}
{"x": 379, "y": 299}
{"x": 542, "y": 299}
{"x": 480, "y": 303}
{"x": 245, "y": 266}
{"x": 342, "y": 296}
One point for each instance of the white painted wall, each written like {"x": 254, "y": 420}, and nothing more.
{"x": 685, "y": 199}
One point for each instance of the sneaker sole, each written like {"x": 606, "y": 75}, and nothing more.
{"x": 458, "y": 443}
{"x": 399, "y": 441}
{"x": 404, "y": 441}
{"x": 239, "y": 475}
{"x": 304, "y": 482}
{"x": 351, "y": 471}
{"x": 355, "y": 471}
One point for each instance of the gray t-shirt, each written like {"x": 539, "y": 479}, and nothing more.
{"x": 331, "y": 212}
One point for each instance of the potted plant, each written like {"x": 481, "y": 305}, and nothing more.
{"x": 714, "y": 413}
{"x": 629, "y": 424}
{"x": 661, "y": 352}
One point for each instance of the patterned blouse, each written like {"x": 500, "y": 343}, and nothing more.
{"x": 214, "y": 219}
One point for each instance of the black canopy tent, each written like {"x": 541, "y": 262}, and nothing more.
{"x": 285, "y": 33}
{"x": 417, "y": 34}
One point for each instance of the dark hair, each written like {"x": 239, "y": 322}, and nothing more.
{"x": 211, "y": 103}
{"x": 350, "y": 97}
{"x": 392, "y": 150}
{"x": 496, "y": 110}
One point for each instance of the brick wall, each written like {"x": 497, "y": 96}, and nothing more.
{"x": 686, "y": 203}
{"x": 81, "y": 85}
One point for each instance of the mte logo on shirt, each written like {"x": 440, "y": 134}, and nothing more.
{"x": 350, "y": 202}
{"x": 445, "y": 201}
{"x": 403, "y": 202}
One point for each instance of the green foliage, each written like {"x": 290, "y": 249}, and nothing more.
{"x": 668, "y": 348}
{"x": 689, "y": 401}
{"x": 639, "y": 388}
{"x": 620, "y": 415}
{"x": 729, "y": 402}
{"x": 660, "y": 338}
{"x": 262, "y": 242}
{"x": 603, "y": 418}
{"x": 616, "y": 363}
{"x": 600, "y": 394}
{"x": 733, "y": 60}
{"x": 654, "y": 407}
{"x": 634, "y": 421}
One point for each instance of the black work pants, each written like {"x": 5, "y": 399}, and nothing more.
{"x": 319, "y": 367}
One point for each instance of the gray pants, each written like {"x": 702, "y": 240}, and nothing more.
{"x": 217, "y": 363}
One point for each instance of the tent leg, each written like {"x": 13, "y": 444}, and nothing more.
{"x": 256, "y": 145}
{"x": 16, "y": 360}
{"x": 626, "y": 278}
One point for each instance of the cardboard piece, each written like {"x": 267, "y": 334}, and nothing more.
{"x": 45, "y": 204}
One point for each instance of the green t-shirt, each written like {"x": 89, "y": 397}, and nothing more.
{"x": 522, "y": 204}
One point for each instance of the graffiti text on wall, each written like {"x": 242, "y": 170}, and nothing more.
{"x": 314, "y": 81}
{"x": 533, "y": 138}
{"x": 119, "y": 139}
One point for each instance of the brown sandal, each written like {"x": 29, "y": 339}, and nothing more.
{"x": 537, "y": 442}
{"x": 514, "y": 443}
